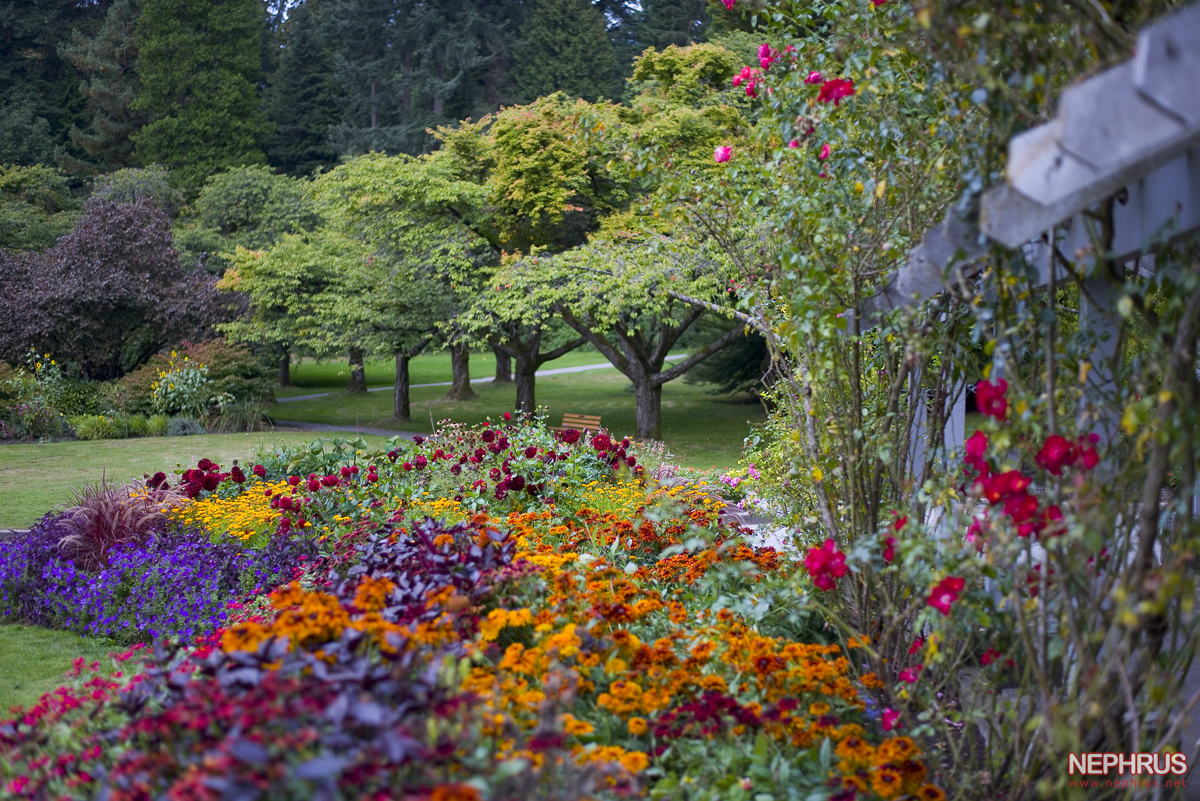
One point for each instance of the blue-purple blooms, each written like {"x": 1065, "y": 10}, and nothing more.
{"x": 176, "y": 584}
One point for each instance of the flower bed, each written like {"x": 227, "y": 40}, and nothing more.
{"x": 494, "y": 613}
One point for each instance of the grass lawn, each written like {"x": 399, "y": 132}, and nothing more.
{"x": 35, "y": 478}
{"x": 33, "y": 661}
{"x": 702, "y": 430}
{"x": 313, "y": 376}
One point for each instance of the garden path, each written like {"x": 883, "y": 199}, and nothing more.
{"x": 581, "y": 368}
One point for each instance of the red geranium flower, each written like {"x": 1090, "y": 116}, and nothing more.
{"x": 835, "y": 90}
{"x": 990, "y": 400}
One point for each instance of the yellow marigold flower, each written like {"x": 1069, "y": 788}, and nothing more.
{"x": 930, "y": 792}
{"x": 637, "y": 726}
{"x": 818, "y": 709}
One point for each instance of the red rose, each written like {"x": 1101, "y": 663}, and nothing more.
{"x": 990, "y": 400}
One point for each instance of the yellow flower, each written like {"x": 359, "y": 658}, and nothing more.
{"x": 637, "y": 726}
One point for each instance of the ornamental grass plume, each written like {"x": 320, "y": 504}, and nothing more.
{"x": 104, "y": 516}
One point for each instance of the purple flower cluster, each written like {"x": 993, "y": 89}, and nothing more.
{"x": 173, "y": 585}
{"x": 176, "y": 584}
{"x": 22, "y": 562}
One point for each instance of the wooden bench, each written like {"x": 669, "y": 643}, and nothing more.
{"x": 580, "y": 422}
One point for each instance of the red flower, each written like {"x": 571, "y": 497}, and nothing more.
{"x": 990, "y": 400}
{"x": 824, "y": 154}
{"x": 910, "y": 675}
{"x": 878, "y": 3}
{"x": 945, "y": 593}
{"x": 998, "y": 487}
{"x": 889, "y": 549}
{"x": 420, "y": 462}
{"x": 724, "y": 153}
{"x": 793, "y": 144}
{"x": 814, "y": 77}
{"x": 531, "y": 452}
{"x": 824, "y": 564}
{"x": 294, "y": 481}
{"x": 729, "y": 4}
{"x": 976, "y": 446}
{"x": 488, "y": 436}
{"x": 989, "y": 656}
{"x": 890, "y": 719}
{"x": 916, "y": 646}
{"x": 835, "y": 90}
{"x": 237, "y": 475}
{"x": 259, "y": 471}
{"x": 507, "y": 416}
{"x": 1057, "y": 453}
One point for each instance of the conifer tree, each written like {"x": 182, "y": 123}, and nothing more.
{"x": 198, "y": 61}
{"x": 567, "y": 50}
{"x": 671, "y": 22}
{"x": 303, "y": 103}
{"x": 109, "y": 85}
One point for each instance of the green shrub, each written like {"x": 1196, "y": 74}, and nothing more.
{"x": 156, "y": 425}
{"x": 137, "y": 425}
{"x": 184, "y": 427}
{"x": 232, "y": 368}
{"x": 96, "y": 426}
{"x": 239, "y": 418}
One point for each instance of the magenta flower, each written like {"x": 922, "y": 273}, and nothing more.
{"x": 793, "y": 144}
{"x": 722, "y": 154}
{"x": 945, "y": 593}
{"x": 729, "y": 4}
{"x": 890, "y": 719}
{"x": 814, "y": 77}
{"x": 824, "y": 154}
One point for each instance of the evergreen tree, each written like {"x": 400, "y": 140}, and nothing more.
{"x": 109, "y": 86}
{"x": 671, "y": 22}
{"x": 198, "y": 61}
{"x": 39, "y": 92}
{"x": 567, "y": 50}
{"x": 303, "y": 102}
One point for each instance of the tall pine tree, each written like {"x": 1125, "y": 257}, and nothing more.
{"x": 198, "y": 61}
{"x": 109, "y": 85}
{"x": 304, "y": 101}
{"x": 567, "y": 50}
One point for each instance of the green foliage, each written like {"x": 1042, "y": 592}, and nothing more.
{"x": 566, "y": 50}
{"x": 671, "y": 23}
{"x": 96, "y": 426}
{"x": 249, "y": 207}
{"x": 36, "y": 207}
{"x": 198, "y": 63}
{"x": 183, "y": 387}
{"x": 156, "y": 425}
{"x": 688, "y": 76}
{"x": 134, "y": 183}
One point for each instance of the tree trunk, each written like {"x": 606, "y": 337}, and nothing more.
{"x": 649, "y": 410}
{"x": 358, "y": 371}
{"x": 504, "y": 373}
{"x": 285, "y": 368}
{"x": 460, "y": 364}
{"x": 400, "y": 390}
{"x": 526, "y": 367}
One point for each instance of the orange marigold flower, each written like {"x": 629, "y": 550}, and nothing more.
{"x": 871, "y": 681}
{"x": 930, "y": 792}
{"x": 454, "y": 792}
{"x": 887, "y": 782}
{"x": 637, "y": 726}
{"x": 897, "y": 749}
